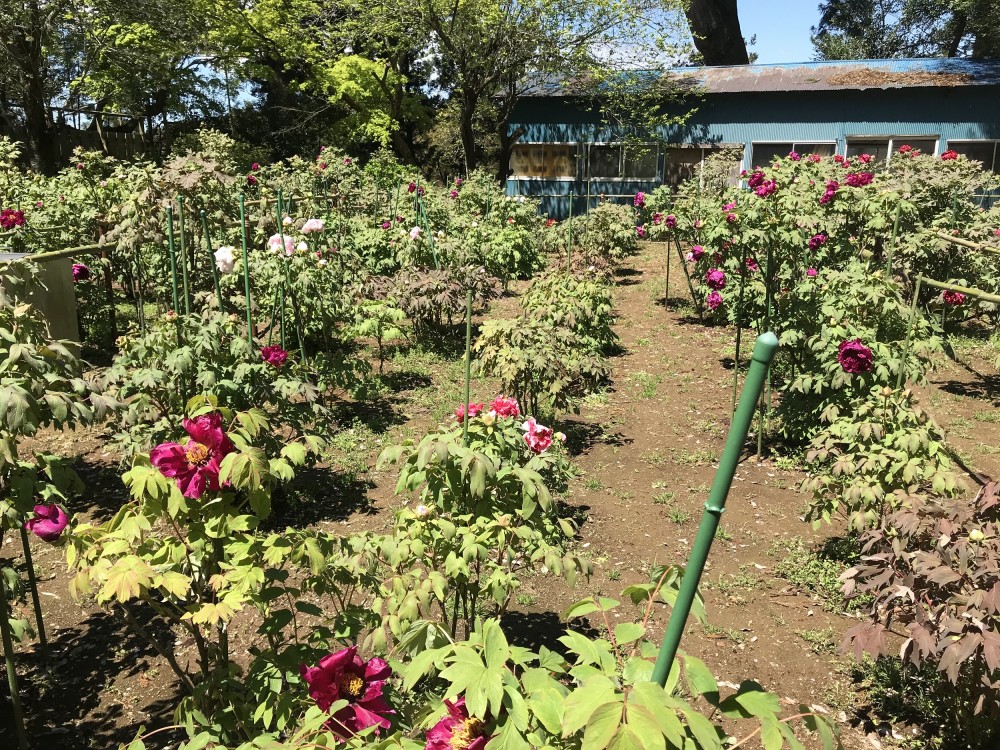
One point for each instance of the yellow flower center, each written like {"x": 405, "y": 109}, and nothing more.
{"x": 197, "y": 454}
{"x": 352, "y": 686}
{"x": 471, "y": 729}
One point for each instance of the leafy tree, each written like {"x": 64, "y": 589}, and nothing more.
{"x": 874, "y": 29}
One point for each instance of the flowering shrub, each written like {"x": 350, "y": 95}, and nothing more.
{"x": 931, "y": 570}
{"x": 877, "y": 455}
{"x": 582, "y": 304}
{"x": 606, "y": 234}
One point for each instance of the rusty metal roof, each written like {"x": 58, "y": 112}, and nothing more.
{"x": 829, "y": 75}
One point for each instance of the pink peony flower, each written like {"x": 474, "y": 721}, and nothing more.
{"x": 815, "y": 158}
{"x": 729, "y": 206}
{"x": 386, "y": 224}
{"x": 346, "y": 676}
{"x": 274, "y": 244}
{"x": 640, "y": 200}
{"x": 952, "y": 298}
{"x": 453, "y": 194}
{"x": 756, "y": 179}
{"x": 274, "y": 355}
{"x": 670, "y": 221}
{"x": 855, "y": 357}
{"x": 313, "y": 225}
{"x": 731, "y": 218}
{"x": 949, "y": 155}
{"x": 48, "y": 522}
{"x": 766, "y": 188}
{"x": 254, "y": 167}
{"x": 859, "y": 179}
{"x": 811, "y": 273}
{"x": 472, "y": 411}
{"x": 715, "y": 278}
{"x": 503, "y": 406}
{"x": 457, "y": 730}
{"x": 80, "y": 272}
{"x": 713, "y": 300}
{"x": 458, "y": 182}
{"x": 816, "y": 241}
{"x": 640, "y": 230}
{"x": 905, "y": 148}
{"x": 415, "y": 233}
{"x": 194, "y": 465}
{"x": 794, "y": 155}
{"x": 538, "y": 437}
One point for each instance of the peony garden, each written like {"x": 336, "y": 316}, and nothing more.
{"x": 347, "y": 458}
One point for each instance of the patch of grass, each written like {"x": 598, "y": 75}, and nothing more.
{"x": 714, "y": 631}
{"x": 699, "y": 457}
{"x": 525, "y": 599}
{"x": 818, "y": 571}
{"x": 663, "y": 498}
{"x": 701, "y": 489}
{"x": 349, "y": 448}
{"x": 642, "y": 342}
{"x": 746, "y": 580}
{"x": 723, "y": 535}
{"x": 710, "y": 427}
{"x": 593, "y": 484}
{"x": 678, "y": 516}
{"x": 597, "y": 398}
{"x": 614, "y": 574}
{"x": 786, "y": 463}
{"x": 653, "y": 458}
{"x": 647, "y": 384}
{"x": 988, "y": 415}
{"x": 960, "y": 423}
{"x": 987, "y": 450}
{"x": 820, "y": 641}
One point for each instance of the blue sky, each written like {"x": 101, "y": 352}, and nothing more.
{"x": 781, "y": 26}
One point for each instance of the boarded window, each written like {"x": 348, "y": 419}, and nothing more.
{"x": 981, "y": 151}
{"x": 549, "y": 160}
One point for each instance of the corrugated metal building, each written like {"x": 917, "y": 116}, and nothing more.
{"x": 844, "y": 107}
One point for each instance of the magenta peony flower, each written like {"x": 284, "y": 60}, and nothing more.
{"x": 752, "y": 265}
{"x": 458, "y": 182}
{"x": 811, "y": 273}
{"x": 838, "y": 158}
{"x": 816, "y": 241}
{"x": 713, "y": 300}
{"x": 11, "y": 219}
{"x": 859, "y": 179}
{"x": 457, "y": 730}
{"x": 670, "y": 221}
{"x": 505, "y": 407}
{"x": 855, "y": 357}
{"x": 794, "y": 155}
{"x": 715, "y": 278}
{"x": 323, "y": 165}
{"x": 254, "y": 167}
{"x": 766, "y": 188}
{"x": 949, "y": 155}
{"x": 420, "y": 192}
{"x": 347, "y": 161}
{"x": 756, "y": 179}
{"x": 386, "y": 224}
{"x": 195, "y": 464}
{"x": 731, "y": 218}
{"x": 729, "y": 206}
{"x": 251, "y": 180}
{"x": 453, "y": 194}
{"x": 538, "y": 437}
{"x": 952, "y": 298}
{"x": 472, "y": 411}
{"x": 346, "y": 676}
{"x": 831, "y": 190}
{"x": 640, "y": 230}
{"x": 48, "y": 522}
{"x": 412, "y": 187}
{"x": 696, "y": 252}
{"x": 80, "y": 272}
{"x": 640, "y": 200}
{"x": 273, "y": 355}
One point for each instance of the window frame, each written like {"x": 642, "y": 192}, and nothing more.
{"x": 561, "y": 178}
{"x": 994, "y": 167}
{"x": 622, "y": 145}
{"x": 892, "y": 142}
{"x": 821, "y": 142}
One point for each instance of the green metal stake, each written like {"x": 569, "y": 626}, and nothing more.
{"x": 184, "y": 258}
{"x": 211, "y": 258}
{"x": 909, "y": 333}
{"x": 763, "y": 353}
{"x": 8, "y": 652}
{"x": 173, "y": 256}
{"x": 246, "y": 267}
{"x": 33, "y": 587}
{"x": 768, "y": 280}
{"x": 468, "y": 364}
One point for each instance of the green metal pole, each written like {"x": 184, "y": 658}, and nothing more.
{"x": 184, "y": 259}
{"x": 768, "y": 281}
{"x": 468, "y": 364}
{"x": 246, "y": 267}
{"x": 211, "y": 258}
{"x": 33, "y": 586}
{"x": 763, "y": 353}
{"x": 8, "y": 652}
{"x": 173, "y": 256}
{"x": 909, "y": 334}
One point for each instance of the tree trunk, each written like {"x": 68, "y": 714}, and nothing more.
{"x": 467, "y": 117}
{"x": 715, "y": 27}
{"x": 41, "y": 130}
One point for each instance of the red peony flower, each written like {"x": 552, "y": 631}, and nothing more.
{"x": 48, "y": 522}
{"x": 80, "y": 272}
{"x": 195, "y": 464}
{"x": 472, "y": 411}
{"x": 346, "y": 676}
{"x": 273, "y": 355}
{"x": 457, "y": 730}
{"x": 949, "y": 155}
{"x": 905, "y": 148}
{"x": 855, "y": 357}
{"x": 952, "y": 298}
{"x": 505, "y": 407}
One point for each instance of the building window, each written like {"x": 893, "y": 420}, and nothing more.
{"x": 545, "y": 160}
{"x": 763, "y": 154}
{"x": 685, "y": 162}
{"x": 618, "y": 161}
{"x": 883, "y": 147}
{"x": 982, "y": 151}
